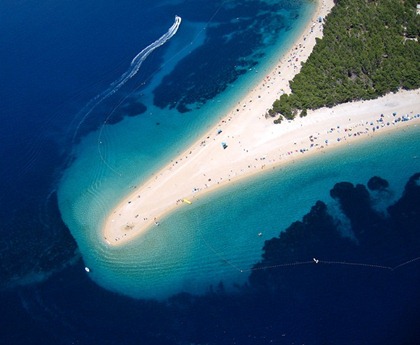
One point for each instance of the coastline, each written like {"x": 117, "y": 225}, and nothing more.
{"x": 254, "y": 144}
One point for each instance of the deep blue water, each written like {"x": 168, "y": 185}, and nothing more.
{"x": 54, "y": 58}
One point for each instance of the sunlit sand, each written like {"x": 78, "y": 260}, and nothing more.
{"x": 245, "y": 142}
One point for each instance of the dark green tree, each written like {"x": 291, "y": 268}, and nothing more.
{"x": 369, "y": 48}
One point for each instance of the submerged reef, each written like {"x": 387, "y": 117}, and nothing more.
{"x": 231, "y": 55}
{"x": 313, "y": 282}
{"x": 313, "y": 285}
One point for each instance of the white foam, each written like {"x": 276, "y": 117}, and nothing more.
{"x": 131, "y": 72}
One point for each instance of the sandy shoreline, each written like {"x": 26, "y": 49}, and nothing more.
{"x": 255, "y": 144}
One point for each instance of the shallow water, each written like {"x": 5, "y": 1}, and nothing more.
{"x": 55, "y": 57}
{"x": 110, "y": 161}
{"x": 218, "y": 238}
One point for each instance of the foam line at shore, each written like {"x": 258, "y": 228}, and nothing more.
{"x": 255, "y": 144}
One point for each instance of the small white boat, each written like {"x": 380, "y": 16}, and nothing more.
{"x": 87, "y": 269}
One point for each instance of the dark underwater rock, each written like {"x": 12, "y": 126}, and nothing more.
{"x": 355, "y": 202}
{"x": 377, "y": 183}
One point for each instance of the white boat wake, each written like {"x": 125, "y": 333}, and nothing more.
{"x": 131, "y": 72}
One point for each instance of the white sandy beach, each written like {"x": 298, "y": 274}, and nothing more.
{"x": 255, "y": 144}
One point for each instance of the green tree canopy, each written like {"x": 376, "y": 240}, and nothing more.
{"x": 369, "y": 48}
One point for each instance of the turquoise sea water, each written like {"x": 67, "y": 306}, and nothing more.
{"x": 109, "y": 161}
{"x": 63, "y": 169}
{"x": 217, "y": 238}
